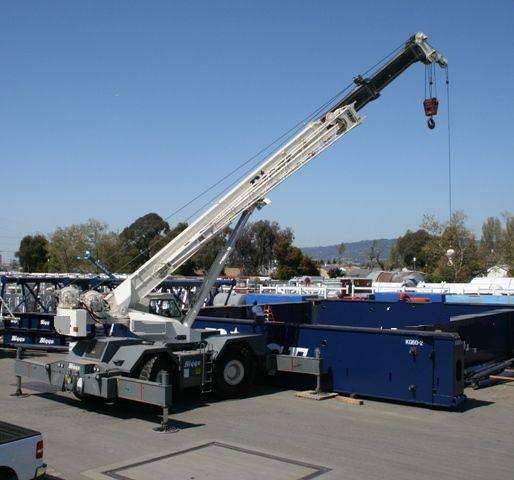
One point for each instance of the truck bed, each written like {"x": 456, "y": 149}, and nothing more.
{"x": 12, "y": 433}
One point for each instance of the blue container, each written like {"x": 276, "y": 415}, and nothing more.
{"x": 410, "y": 366}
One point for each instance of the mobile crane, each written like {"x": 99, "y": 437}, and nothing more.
{"x": 166, "y": 353}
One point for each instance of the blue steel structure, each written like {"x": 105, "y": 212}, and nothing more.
{"x": 410, "y": 366}
{"x": 420, "y": 350}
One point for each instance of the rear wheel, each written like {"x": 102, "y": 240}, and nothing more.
{"x": 7, "y": 474}
{"x": 154, "y": 368}
{"x": 234, "y": 373}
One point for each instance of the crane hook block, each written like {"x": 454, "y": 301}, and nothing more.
{"x": 430, "y": 105}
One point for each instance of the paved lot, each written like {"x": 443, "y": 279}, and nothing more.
{"x": 271, "y": 435}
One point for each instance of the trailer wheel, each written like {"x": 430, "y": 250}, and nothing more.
{"x": 234, "y": 373}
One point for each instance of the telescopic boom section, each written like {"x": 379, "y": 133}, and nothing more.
{"x": 252, "y": 190}
{"x": 416, "y": 50}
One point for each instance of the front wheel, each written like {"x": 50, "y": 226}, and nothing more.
{"x": 234, "y": 373}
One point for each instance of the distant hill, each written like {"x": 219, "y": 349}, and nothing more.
{"x": 355, "y": 251}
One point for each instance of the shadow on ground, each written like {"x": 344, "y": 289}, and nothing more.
{"x": 124, "y": 410}
{"x": 472, "y": 403}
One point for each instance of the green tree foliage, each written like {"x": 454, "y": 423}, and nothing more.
{"x": 341, "y": 249}
{"x": 508, "y": 242}
{"x": 407, "y": 247}
{"x": 374, "y": 256}
{"x": 464, "y": 264}
{"x": 68, "y": 245}
{"x": 491, "y": 243}
{"x": 335, "y": 272}
{"x": 33, "y": 253}
{"x": 142, "y": 239}
{"x": 292, "y": 262}
{"x": 202, "y": 260}
{"x": 255, "y": 248}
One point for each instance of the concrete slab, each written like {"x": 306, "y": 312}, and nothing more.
{"x": 211, "y": 461}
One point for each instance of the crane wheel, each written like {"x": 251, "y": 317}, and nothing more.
{"x": 234, "y": 372}
{"x": 155, "y": 366}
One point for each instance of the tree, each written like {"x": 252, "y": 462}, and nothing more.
{"x": 464, "y": 264}
{"x": 374, "y": 256}
{"x": 341, "y": 249}
{"x": 507, "y": 247}
{"x": 491, "y": 243}
{"x": 205, "y": 257}
{"x": 255, "y": 248}
{"x": 334, "y": 272}
{"x": 33, "y": 253}
{"x": 292, "y": 262}
{"x": 68, "y": 245}
{"x": 407, "y": 247}
{"x": 142, "y": 239}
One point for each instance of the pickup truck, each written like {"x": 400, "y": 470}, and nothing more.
{"x": 21, "y": 453}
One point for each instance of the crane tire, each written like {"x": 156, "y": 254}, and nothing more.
{"x": 155, "y": 366}
{"x": 234, "y": 372}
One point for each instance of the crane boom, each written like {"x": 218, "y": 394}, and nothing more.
{"x": 251, "y": 191}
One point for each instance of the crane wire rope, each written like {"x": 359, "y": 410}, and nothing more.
{"x": 281, "y": 140}
{"x": 449, "y": 141}
{"x": 253, "y": 159}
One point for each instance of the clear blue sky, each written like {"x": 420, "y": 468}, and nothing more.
{"x": 111, "y": 109}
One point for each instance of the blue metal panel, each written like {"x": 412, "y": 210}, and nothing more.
{"x": 394, "y": 296}
{"x": 379, "y": 314}
{"x": 265, "y": 298}
{"x": 32, "y": 340}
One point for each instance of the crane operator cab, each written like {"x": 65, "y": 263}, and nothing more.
{"x": 164, "y": 304}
